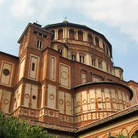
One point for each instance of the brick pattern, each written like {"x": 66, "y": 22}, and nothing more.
{"x": 80, "y": 107}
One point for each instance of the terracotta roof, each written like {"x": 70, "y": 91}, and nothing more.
{"x": 9, "y": 55}
{"x": 112, "y": 117}
{"x": 117, "y": 115}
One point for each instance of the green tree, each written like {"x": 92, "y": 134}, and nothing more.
{"x": 11, "y": 127}
{"x": 123, "y": 136}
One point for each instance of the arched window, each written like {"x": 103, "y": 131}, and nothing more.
{"x": 81, "y": 58}
{"x": 53, "y": 34}
{"x": 107, "y": 103}
{"x": 114, "y": 103}
{"x": 83, "y": 77}
{"x": 60, "y": 49}
{"x": 104, "y": 46}
{"x": 33, "y": 66}
{"x": 100, "y": 104}
{"x": 39, "y": 44}
{"x": 90, "y": 39}
{"x": 73, "y": 55}
{"x": 60, "y": 34}
{"x": 80, "y": 35}
{"x": 107, "y": 67}
{"x": 93, "y": 61}
{"x": 96, "y": 41}
{"x": 100, "y": 64}
{"x": 71, "y": 34}
{"x": 107, "y": 52}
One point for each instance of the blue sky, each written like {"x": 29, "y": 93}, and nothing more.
{"x": 117, "y": 20}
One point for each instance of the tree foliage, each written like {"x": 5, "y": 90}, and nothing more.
{"x": 11, "y": 127}
{"x": 122, "y": 136}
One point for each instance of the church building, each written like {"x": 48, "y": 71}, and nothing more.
{"x": 64, "y": 80}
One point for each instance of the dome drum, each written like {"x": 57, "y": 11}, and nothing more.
{"x": 94, "y": 101}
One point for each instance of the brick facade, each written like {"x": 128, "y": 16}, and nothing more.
{"x": 64, "y": 80}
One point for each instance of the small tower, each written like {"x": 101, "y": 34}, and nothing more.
{"x": 32, "y": 42}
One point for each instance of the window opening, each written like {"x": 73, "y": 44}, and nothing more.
{"x": 73, "y": 57}
{"x": 100, "y": 64}
{"x": 39, "y": 44}
{"x": 60, "y": 34}
{"x": 93, "y": 62}
{"x": 71, "y": 34}
{"x": 103, "y": 46}
{"x": 97, "y": 41}
{"x": 90, "y": 38}
{"x": 44, "y": 36}
{"x": 82, "y": 59}
{"x": 60, "y": 51}
{"x": 83, "y": 77}
{"x": 53, "y": 35}
{"x": 107, "y": 52}
{"x": 35, "y": 32}
{"x": 33, "y": 66}
{"x": 80, "y": 35}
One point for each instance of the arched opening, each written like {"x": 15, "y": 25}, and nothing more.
{"x": 60, "y": 49}
{"x": 80, "y": 35}
{"x": 135, "y": 135}
{"x": 39, "y": 44}
{"x": 100, "y": 64}
{"x": 82, "y": 57}
{"x": 104, "y": 46}
{"x": 107, "y": 104}
{"x": 71, "y": 34}
{"x": 100, "y": 104}
{"x": 83, "y": 77}
{"x": 60, "y": 34}
{"x": 107, "y": 52}
{"x": 73, "y": 55}
{"x": 96, "y": 41}
{"x": 90, "y": 39}
{"x": 53, "y": 34}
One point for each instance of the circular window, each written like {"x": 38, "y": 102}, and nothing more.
{"x": 6, "y": 101}
{"x": 64, "y": 75}
{"x": 27, "y": 96}
{"x": 84, "y": 101}
{"x": 51, "y": 96}
{"x": 68, "y": 103}
{"x": 51, "y": 113}
{"x": 6, "y": 72}
{"x": 34, "y": 97}
{"x": 61, "y": 101}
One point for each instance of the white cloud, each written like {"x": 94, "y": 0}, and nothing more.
{"x": 118, "y": 13}
{"x": 46, "y": 7}
{"x": 1, "y": 1}
{"x": 36, "y": 8}
{"x": 21, "y": 8}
